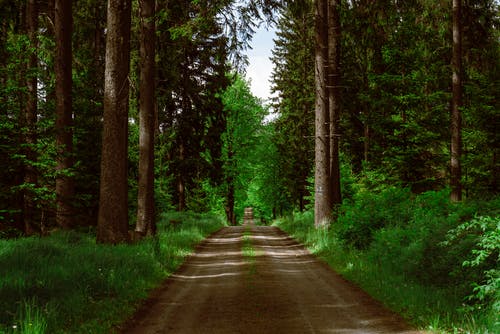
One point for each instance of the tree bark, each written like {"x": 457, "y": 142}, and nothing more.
{"x": 231, "y": 217}
{"x": 146, "y": 207}
{"x": 334, "y": 76}
{"x": 322, "y": 151}
{"x": 30, "y": 113}
{"x": 456, "y": 104}
{"x": 64, "y": 113}
{"x": 180, "y": 180}
{"x": 112, "y": 224}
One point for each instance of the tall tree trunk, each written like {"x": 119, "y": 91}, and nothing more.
{"x": 30, "y": 114}
{"x": 146, "y": 206}
{"x": 322, "y": 200}
{"x": 64, "y": 113}
{"x": 112, "y": 223}
{"x": 456, "y": 104}
{"x": 180, "y": 179}
{"x": 334, "y": 76}
{"x": 231, "y": 217}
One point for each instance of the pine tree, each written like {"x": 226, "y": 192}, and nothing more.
{"x": 456, "y": 104}
{"x": 112, "y": 224}
{"x": 146, "y": 206}
{"x": 64, "y": 114}
{"x": 322, "y": 193}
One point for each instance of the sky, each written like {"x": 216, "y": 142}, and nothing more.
{"x": 260, "y": 66}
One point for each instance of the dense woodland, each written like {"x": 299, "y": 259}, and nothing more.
{"x": 385, "y": 118}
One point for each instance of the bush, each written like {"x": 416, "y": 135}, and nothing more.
{"x": 369, "y": 212}
{"x": 435, "y": 261}
{"x": 484, "y": 231}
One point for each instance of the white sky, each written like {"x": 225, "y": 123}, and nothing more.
{"x": 260, "y": 66}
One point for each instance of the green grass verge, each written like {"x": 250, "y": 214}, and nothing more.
{"x": 66, "y": 283}
{"x": 249, "y": 252}
{"x": 438, "y": 309}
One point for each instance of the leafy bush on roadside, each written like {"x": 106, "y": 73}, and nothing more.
{"x": 369, "y": 212}
{"x": 485, "y": 256}
{"x": 425, "y": 256}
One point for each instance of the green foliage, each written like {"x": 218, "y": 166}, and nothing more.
{"x": 246, "y": 151}
{"x": 293, "y": 81}
{"x": 369, "y": 212}
{"x": 32, "y": 320}
{"x": 435, "y": 262}
{"x": 485, "y": 255}
{"x": 66, "y": 283}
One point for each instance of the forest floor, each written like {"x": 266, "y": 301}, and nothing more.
{"x": 257, "y": 279}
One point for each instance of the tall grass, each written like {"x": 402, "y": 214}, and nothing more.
{"x": 66, "y": 283}
{"x": 408, "y": 260}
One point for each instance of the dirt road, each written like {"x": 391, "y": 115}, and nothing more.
{"x": 253, "y": 279}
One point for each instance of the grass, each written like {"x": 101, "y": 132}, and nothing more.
{"x": 249, "y": 252}
{"x": 66, "y": 283}
{"x": 438, "y": 309}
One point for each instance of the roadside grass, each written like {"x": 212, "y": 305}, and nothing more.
{"x": 66, "y": 283}
{"x": 249, "y": 252}
{"x": 439, "y": 309}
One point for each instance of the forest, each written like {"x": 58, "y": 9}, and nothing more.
{"x": 128, "y": 128}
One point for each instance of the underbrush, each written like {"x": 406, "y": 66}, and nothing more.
{"x": 434, "y": 262}
{"x": 66, "y": 283}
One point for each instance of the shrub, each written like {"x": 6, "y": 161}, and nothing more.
{"x": 369, "y": 212}
{"x": 484, "y": 231}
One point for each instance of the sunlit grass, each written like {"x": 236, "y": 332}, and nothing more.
{"x": 249, "y": 252}
{"x": 66, "y": 283}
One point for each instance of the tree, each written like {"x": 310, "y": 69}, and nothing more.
{"x": 456, "y": 104}
{"x": 334, "y": 103}
{"x": 64, "y": 113}
{"x": 293, "y": 81}
{"x": 112, "y": 224}
{"x": 30, "y": 114}
{"x": 192, "y": 68}
{"x": 322, "y": 193}
{"x": 146, "y": 206}
{"x": 244, "y": 117}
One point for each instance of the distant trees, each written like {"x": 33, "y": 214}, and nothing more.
{"x": 244, "y": 116}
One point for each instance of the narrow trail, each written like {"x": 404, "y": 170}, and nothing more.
{"x": 256, "y": 279}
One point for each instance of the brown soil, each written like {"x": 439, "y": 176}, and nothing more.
{"x": 280, "y": 288}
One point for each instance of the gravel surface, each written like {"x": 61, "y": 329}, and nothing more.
{"x": 256, "y": 279}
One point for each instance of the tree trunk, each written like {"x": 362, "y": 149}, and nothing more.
{"x": 456, "y": 104}
{"x": 231, "y": 217}
{"x": 64, "y": 113}
{"x": 146, "y": 207}
{"x": 180, "y": 180}
{"x": 322, "y": 151}
{"x": 334, "y": 76}
{"x": 112, "y": 224}
{"x": 30, "y": 114}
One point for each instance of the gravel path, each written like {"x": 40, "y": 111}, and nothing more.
{"x": 256, "y": 279}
